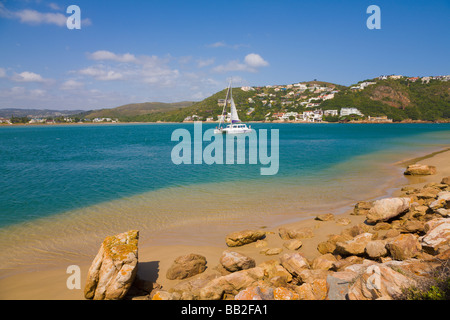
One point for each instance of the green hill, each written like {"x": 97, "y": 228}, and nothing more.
{"x": 398, "y": 99}
{"x": 137, "y": 109}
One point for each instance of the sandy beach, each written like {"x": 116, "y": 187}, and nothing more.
{"x": 154, "y": 260}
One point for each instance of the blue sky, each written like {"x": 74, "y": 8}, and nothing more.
{"x": 168, "y": 51}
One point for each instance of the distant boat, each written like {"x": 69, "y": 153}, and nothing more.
{"x": 236, "y": 127}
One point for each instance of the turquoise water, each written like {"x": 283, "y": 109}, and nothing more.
{"x": 48, "y": 170}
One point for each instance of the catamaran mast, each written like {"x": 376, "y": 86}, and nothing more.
{"x": 224, "y": 106}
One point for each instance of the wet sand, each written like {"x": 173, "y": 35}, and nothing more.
{"x": 156, "y": 258}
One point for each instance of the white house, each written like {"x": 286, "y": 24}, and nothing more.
{"x": 333, "y": 113}
{"x": 287, "y": 115}
{"x": 348, "y": 111}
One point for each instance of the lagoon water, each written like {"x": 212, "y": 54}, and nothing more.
{"x": 64, "y": 188}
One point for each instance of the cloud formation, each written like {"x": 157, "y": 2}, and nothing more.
{"x": 252, "y": 62}
{"x": 27, "y": 76}
{"x": 34, "y": 17}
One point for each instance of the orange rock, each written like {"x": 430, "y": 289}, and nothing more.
{"x": 281, "y": 293}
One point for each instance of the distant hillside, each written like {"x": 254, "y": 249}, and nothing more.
{"x": 398, "y": 99}
{"x": 205, "y": 108}
{"x": 8, "y": 112}
{"x": 137, "y": 109}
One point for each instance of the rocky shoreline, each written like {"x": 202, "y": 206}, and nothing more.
{"x": 396, "y": 243}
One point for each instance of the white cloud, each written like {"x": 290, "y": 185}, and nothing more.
{"x": 223, "y": 44}
{"x": 101, "y": 74}
{"x": 144, "y": 69}
{"x": 34, "y": 17}
{"x": 255, "y": 61}
{"x": 38, "y": 93}
{"x": 54, "y": 6}
{"x": 251, "y": 63}
{"x": 27, "y": 76}
{"x": 103, "y": 55}
{"x": 2, "y": 73}
{"x": 217, "y": 44}
{"x": 205, "y": 62}
{"x": 71, "y": 85}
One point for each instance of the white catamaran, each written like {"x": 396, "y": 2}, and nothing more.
{"x": 236, "y": 126}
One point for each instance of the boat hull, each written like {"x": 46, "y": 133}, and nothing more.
{"x": 232, "y": 131}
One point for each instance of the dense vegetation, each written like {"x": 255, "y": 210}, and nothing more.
{"x": 397, "y": 99}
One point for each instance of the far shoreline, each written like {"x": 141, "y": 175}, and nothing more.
{"x": 214, "y": 122}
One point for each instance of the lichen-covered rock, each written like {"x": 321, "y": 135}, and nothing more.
{"x": 315, "y": 290}
{"x": 420, "y": 169}
{"x": 282, "y": 293}
{"x": 388, "y": 208}
{"x": 240, "y": 238}
{"x": 114, "y": 268}
{"x": 255, "y": 293}
{"x": 186, "y": 266}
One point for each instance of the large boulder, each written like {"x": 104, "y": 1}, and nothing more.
{"x": 315, "y": 290}
{"x": 388, "y": 208}
{"x": 239, "y": 238}
{"x": 442, "y": 201}
{"x": 114, "y": 268}
{"x": 420, "y": 169}
{"x": 376, "y": 249}
{"x": 362, "y": 208}
{"x": 446, "y": 180}
{"x": 324, "y": 262}
{"x": 186, "y": 266}
{"x": 294, "y": 263}
{"x": 339, "y": 283}
{"x": 356, "y": 246}
{"x": 287, "y": 233}
{"x": 437, "y": 236}
{"x": 235, "y": 261}
{"x": 189, "y": 289}
{"x": 329, "y": 245}
{"x": 404, "y": 246}
{"x": 255, "y": 293}
{"x": 378, "y": 281}
{"x": 231, "y": 283}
